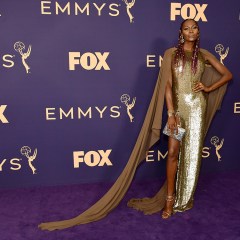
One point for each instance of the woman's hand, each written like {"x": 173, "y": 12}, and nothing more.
{"x": 172, "y": 124}
{"x": 201, "y": 87}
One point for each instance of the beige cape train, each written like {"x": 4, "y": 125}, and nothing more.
{"x": 148, "y": 136}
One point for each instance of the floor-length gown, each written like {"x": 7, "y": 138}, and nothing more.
{"x": 191, "y": 107}
{"x": 191, "y": 115}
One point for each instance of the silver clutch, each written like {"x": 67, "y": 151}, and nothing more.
{"x": 179, "y": 136}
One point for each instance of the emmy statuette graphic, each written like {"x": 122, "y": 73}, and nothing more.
{"x": 19, "y": 47}
{"x": 129, "y": 6}
{"x": 25, "y": 151}
{"x": 219, "y": 49}
{"x": 125, "y": 98}
{"x": 214, "y": 142}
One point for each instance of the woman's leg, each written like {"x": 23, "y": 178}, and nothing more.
{"x": 171, "y": 167}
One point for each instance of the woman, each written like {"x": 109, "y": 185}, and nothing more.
{"x": 186, "y": 95}
{"x": 176, "y": 80}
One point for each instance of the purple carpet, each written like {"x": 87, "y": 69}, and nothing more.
{"x": 215, "y": 215}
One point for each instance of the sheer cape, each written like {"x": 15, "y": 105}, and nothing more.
{"x": 148, "y": 136}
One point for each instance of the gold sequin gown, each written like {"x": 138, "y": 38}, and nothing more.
{"x": 191, "y": 106}
{"x": 192, "y": 112}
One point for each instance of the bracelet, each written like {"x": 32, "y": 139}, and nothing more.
{"x": 171, "y": 113}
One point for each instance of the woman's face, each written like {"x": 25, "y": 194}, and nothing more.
{"x": 190, "y": 31}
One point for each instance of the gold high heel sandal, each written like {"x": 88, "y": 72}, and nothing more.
{"x": 167, "y": 214}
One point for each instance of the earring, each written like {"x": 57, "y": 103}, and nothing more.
{"x": 181, "y": 39}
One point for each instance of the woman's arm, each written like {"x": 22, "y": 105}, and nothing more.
{"x": 172, "y": 124}
{"x": 226, "y": 74}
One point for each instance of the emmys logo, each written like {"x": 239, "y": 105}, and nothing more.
{"x": 214, "y": 141}
{"x": 125, "y": 98}
{"x": 53, "y": 114}
{"x": 73, "y": 113}
{"x": 153, "y": 61}
{"x": 19, "y": 47}
{"x": 15, "y": 162}
{"x": 157, "y": 155}
{"x": 219, "y": 49}
{"x": 89, "y": 61}
{"x": 74, "y": 8}
{"x": 195, "y": 11}
{"x": 98, "y": 158}
{"x": 128, "y": 7}
{"x": 88, "y": 9}
{"x": 25, "y": 151}
{"x": 3, "y": 118}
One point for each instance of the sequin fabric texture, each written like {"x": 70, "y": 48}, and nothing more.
{"x": 192, "y": 112}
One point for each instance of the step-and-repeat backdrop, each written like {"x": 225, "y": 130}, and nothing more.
{"x": 76, "y": 78}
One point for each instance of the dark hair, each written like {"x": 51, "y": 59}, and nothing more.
{"x": 180, "y": 55}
